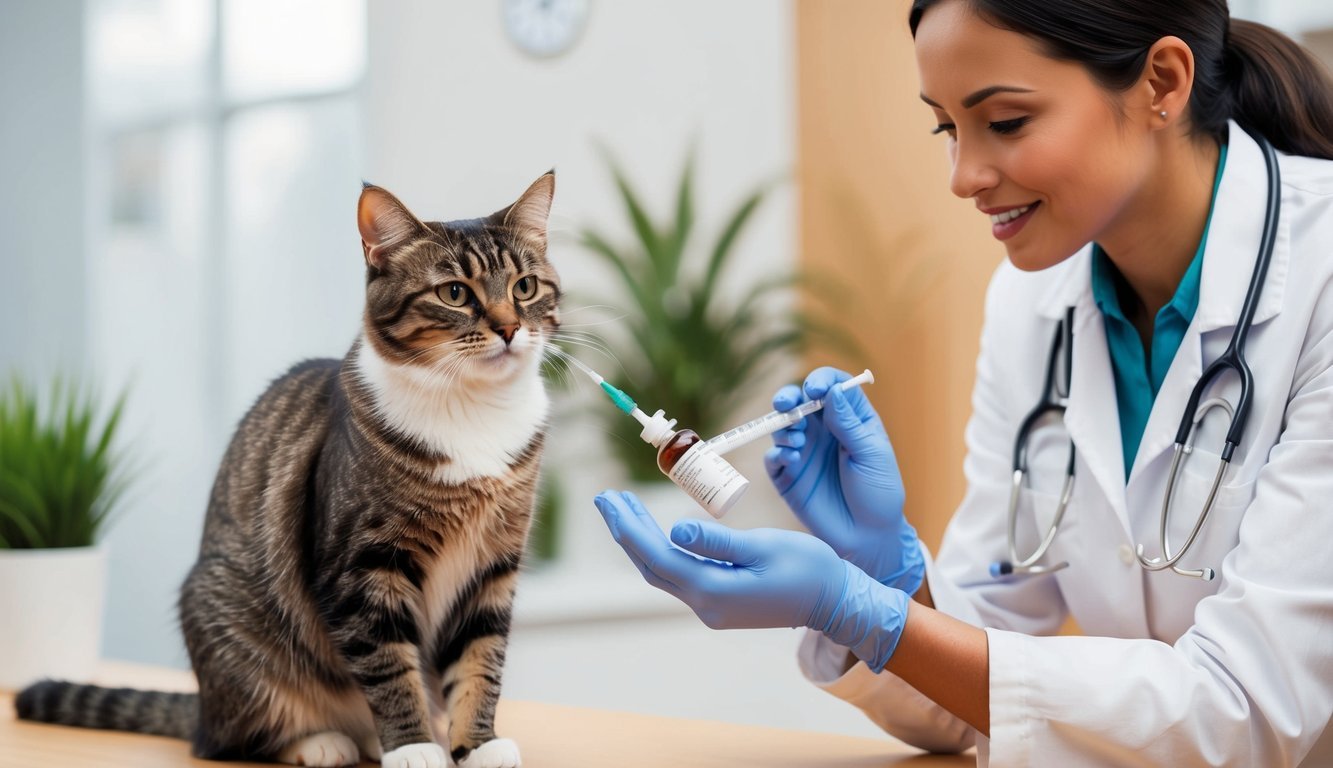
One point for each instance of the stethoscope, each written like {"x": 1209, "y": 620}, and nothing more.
{"x": 1055, "y": 398}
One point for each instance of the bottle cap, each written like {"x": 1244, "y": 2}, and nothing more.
{"x": 656, "y": 428}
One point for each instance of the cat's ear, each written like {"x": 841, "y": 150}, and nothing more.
{"x": 530, "y": 213}
{"x": 385, "y": 225}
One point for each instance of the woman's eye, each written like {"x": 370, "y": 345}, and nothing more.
{"x": 453, "y": 294}
{"x": 945, "y": 128}
{"x": 525, "y": 288}
{"x": 1008, "y": 126}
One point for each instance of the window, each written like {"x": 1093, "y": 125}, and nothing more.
{"x": 223, "y": 149}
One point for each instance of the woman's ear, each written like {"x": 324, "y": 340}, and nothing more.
{"x": 1167, "y": 81}
{"x": 385, "y": 225}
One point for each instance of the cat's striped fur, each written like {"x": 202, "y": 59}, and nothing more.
{"x": 364, "y": 533}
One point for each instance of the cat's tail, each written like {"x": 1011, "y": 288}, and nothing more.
{"x": 118, "y": 709}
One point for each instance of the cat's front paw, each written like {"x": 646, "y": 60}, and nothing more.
{"x": 416, "y": 756}
{"x": 329, "y": 749}
{"x": 496, "y": 753}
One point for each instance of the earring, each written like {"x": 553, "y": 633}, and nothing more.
{"x": 1163, "y": 114}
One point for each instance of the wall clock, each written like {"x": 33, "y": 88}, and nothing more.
{"x": 544, "y": 28}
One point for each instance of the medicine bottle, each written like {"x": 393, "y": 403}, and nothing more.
{"x": 691, "y": 464}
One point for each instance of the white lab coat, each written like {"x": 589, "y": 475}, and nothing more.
{"x": 1171, "y": 670}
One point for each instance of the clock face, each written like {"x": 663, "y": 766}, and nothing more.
{"x": 544, "y": 27}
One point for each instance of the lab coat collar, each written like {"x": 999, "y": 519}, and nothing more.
{"x": 1092, "y": 425}
{"x": 1070, "y": 286}
{"x": 1233, "y": 241}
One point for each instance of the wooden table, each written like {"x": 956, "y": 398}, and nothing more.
{"x": 549, "y": 736}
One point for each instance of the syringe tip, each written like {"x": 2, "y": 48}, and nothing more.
{"x": 623, "y": 401}
{"x": 596, "y": 377}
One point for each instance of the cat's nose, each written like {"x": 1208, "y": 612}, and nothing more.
{"x": 506, "y": 332}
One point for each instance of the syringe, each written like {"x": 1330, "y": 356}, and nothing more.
{"x": 774, "y": 420}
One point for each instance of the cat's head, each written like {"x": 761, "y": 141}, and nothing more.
{"x": 463, "y": 300}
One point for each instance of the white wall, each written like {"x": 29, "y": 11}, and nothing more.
{"x": 1291, "y": 16}
{"x": 41, "y": 187}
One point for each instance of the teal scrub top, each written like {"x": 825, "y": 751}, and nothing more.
{"x": 1138, "y": 374}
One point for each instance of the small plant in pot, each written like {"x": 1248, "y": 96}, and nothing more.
{"x": 60, "y": 480}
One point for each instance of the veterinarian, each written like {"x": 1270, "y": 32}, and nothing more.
{"x": 1151, "y": 444}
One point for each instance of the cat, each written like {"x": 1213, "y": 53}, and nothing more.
{"x": 365, "y": 530}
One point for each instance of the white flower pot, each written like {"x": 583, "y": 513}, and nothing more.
{"x": 50, "y": 613}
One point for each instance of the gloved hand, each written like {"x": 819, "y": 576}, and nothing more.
{"x": 760, "y": 578}
{"x": 837, "y": 472}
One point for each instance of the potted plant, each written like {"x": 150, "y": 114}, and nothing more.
{"x": 685, "y": 348}
{"x": 59, "y": 482}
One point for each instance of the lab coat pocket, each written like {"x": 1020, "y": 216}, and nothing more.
{"x": 1220, "y": 529}
{"x": 1037, "y": 511}
{"x": 1044, "y": 482}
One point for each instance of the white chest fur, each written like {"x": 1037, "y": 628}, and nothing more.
{"x": 480, "y": 427}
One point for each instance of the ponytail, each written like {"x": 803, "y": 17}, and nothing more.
{"x": 1243, "y": 71}
{"x": 1279, "y": 90}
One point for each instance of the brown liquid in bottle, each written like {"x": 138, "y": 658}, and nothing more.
{"x": 674, "y": 448}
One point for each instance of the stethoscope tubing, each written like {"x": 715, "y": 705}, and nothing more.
{"x": 1232, "y": 358}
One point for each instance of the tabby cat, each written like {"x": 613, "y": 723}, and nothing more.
{"x": 365, "y": 530}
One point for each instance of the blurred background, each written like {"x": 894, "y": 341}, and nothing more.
{"x": 178, "y": 180}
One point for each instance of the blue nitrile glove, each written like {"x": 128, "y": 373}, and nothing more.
{"x": 760, "y": 578}
{"x": 837, "y": 472}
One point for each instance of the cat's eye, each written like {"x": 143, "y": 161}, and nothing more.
{"x": 454, "y": 294}
{"x": 525, "y": 288}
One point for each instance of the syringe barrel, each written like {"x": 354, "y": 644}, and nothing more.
{"x": 774, "y": 420}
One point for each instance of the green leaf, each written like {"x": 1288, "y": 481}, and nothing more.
{"x": 59, "y": 479}
{"x": 32, "y": 536}
{"x": 684, "y": 222}
{"x": 623, "y": 267}
{"x": 730, "y": 232}
{"x": 643, "y": 226}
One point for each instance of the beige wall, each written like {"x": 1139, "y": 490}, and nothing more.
{"x": 876, "y": 212}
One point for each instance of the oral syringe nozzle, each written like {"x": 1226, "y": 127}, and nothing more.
{"x": 655, "y": 427}
{"x": 623, "y": 401}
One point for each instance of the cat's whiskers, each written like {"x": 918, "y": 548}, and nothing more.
{"x": 570, "y": 362}
{"x": 585, "y": 338}
{"x": 435, "y": 385}
{"x": 417, "y": 385}
{"x": 449, "y": 370}
{"x": 554, "y": 354}
{"x": 594, "y": 344}
{"x": 418, "y": 354}
{"x": 567, "y": 312}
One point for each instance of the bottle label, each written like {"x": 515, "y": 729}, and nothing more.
{"x": 708, "y": 479}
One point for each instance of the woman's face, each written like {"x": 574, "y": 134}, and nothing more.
{"x": 1040, "y": 146}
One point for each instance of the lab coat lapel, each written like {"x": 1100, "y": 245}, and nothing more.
{"x": 1092, "y": 418}
{"x": 1228, "y": 264}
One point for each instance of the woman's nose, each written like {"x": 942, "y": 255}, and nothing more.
{"x": 973, "y": 172}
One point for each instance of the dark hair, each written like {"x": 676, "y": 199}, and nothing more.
{"x": 1244, "y": 71}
